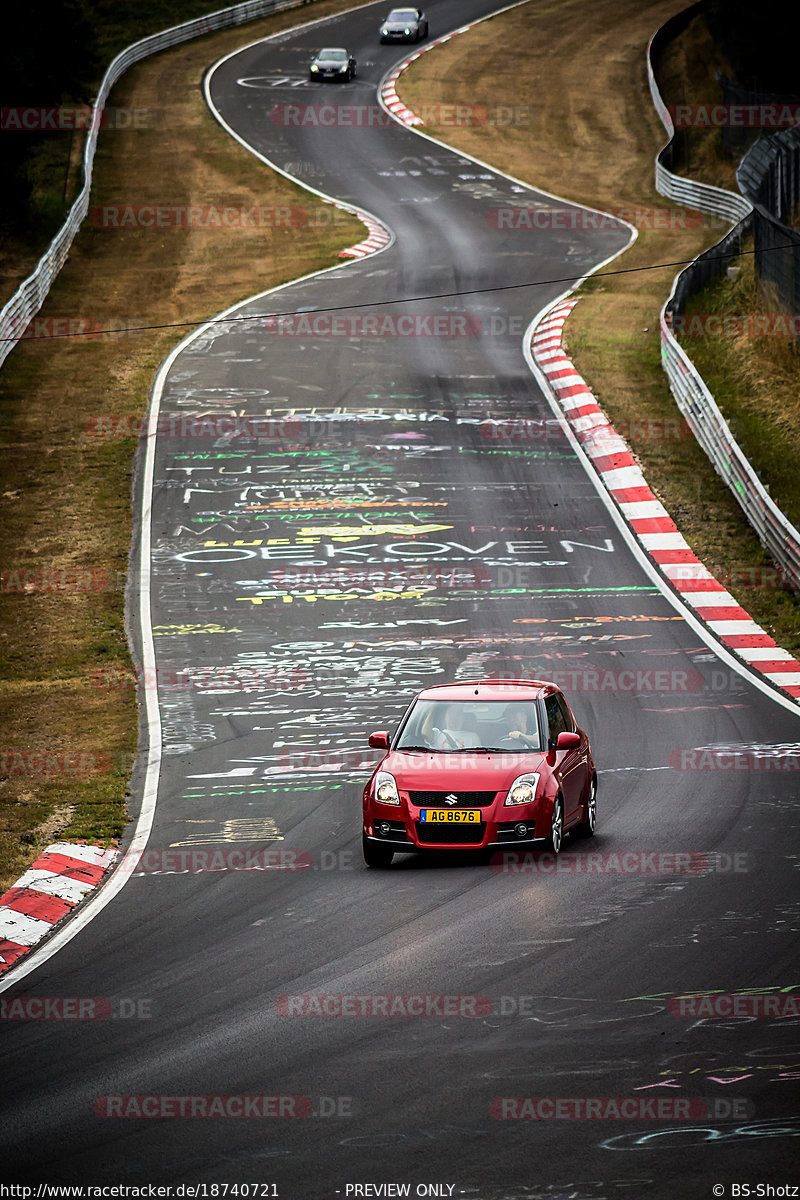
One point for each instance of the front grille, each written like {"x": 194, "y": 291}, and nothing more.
{"x": 436, "y": 835}
{"x": 463, "y": 799}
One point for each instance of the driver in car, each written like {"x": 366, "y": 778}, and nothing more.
{"x": 518, "y": 720}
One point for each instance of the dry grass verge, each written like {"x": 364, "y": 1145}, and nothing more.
{"x": 743, "y": 348}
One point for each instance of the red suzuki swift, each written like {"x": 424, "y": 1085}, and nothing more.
{"x": 483, "y": 764}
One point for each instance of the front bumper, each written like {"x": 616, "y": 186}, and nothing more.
{"x": 411, "y": 834}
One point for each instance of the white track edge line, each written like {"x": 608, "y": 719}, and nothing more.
{"x": 120, "y": 873}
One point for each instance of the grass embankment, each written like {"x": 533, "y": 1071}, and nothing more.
{"x": 48, "y": 177}
{"x": 67, "y": 700}
{"x": 744, "y": 350}
{"x": 588, "y": 131}
{"x": 733, "y": 332}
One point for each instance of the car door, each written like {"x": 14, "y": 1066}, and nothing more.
{"x": 570, "y": 766}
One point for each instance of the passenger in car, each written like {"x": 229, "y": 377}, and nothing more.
{"x": 449, "y": 730}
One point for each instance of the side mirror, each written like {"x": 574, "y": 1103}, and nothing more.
{"x": 568, "y": 741}
{"x": 379, "y": 741}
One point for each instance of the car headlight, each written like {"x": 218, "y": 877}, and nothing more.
{"x": 315, "y": 67}
{"x": 523, "y": 789}
{"x": 407, "y": 30}
{"x": 384, "y": 31}
{"x": 341, "y": 69}
{"x": 386, "y": 788}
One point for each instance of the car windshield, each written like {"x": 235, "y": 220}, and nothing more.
{"x": 446, "y": 726}
{"x": 402, "y": 14}
{"x": 333, "y": 55}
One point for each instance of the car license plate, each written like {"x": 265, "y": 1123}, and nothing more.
{"x": 451, "y": 816}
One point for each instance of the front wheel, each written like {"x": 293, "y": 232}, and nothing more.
{"x": 556, "y": 835}
{"x": 376, "y": 855}
{"x": 589, "y": 823}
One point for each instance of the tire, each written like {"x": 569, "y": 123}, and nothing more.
{"x": 556, "y": 835}
{"x": 376, "y": 855}
{"x": 586, "y": 828}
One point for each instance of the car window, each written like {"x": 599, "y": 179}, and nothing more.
{"x": 443, "y": 725}
{"x": 569, "y": 720}
{"x": 555, "y": 718}
{"x": 403, "y": 14}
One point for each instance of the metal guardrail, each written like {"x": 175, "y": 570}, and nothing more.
{"x": 704, "y": 196}
{"x": 769, "y": 175}
{"x": 18, "y": 312}
{"x": 776, "y": 533}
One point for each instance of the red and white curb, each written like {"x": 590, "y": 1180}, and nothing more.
{"x": 647, "y": 517}
{"x": 393, "y": 102}
{"x": 388, "y": 89}
{"x": 63, "y": 875}
{"x": 378, "y": 237}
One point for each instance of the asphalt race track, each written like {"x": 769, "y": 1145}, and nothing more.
{"x": 371, "y": 523}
